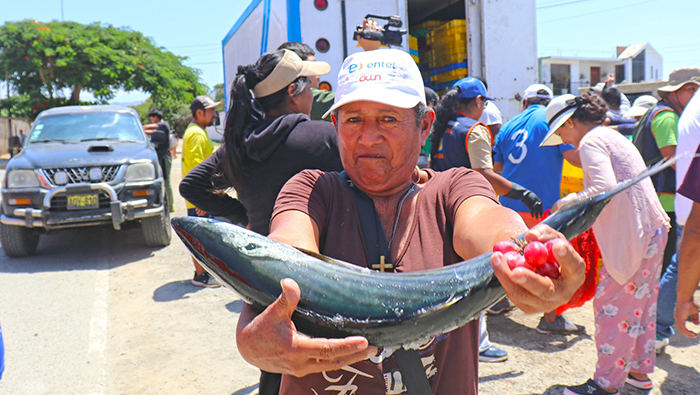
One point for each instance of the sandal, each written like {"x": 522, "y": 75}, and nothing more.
{"x": 639, "y": 384}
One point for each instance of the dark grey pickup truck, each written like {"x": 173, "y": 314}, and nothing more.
{"x": 82, "y": 166}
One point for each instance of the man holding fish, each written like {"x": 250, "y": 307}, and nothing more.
{"x": 428, "y": 219}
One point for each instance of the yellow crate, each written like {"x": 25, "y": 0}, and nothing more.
{"x": 448, "y": 25}
{"x": 449, "y": 75}
{"x": 571, "y": 179}
{"x": 452, "y": 47}
{"x": 434, "y": 62}
{"x": 451, "y": 34}
{"x": 412, "y": 42}
{"x": 427, "y": 25}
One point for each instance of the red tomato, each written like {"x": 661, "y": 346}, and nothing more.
{"x": 514, "y": 260}
{"x": 506, "y": 246}
{"x": 549, "y": 269}
{"x": 535, "y": 253}
{"x": 549, "y": 244}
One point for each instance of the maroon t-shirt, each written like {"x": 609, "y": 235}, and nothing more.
{"x": 690, "y": 187}
{"x": 450, "y": 360}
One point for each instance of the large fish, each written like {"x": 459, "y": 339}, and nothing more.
{"x": 339, "y": 299}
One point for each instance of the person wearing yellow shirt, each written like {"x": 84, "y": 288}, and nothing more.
{"x": 196, "y": 147}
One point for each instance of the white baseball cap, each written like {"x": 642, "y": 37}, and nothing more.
{"x": 532, "y": 90}
{"x": 387, "y": 76}
{"x": 641, "y": 105}
{"x": 559, "y": 111}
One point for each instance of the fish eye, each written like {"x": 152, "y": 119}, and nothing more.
{"x": 251, "y": 246}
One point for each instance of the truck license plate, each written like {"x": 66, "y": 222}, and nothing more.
{"x": 82, "y": 202}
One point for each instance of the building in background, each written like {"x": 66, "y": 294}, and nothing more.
{"x": 638, "y": 63}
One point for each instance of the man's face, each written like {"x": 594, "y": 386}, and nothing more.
{"x": 685, "y": 93}
{"x": 206, "y": 117}
{"x": 306, "y": 100}
{"x": 153, "y": 119}
{"x": 314, "y": 79}
{"x": 379, "y": 144}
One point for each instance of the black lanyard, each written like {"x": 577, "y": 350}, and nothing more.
{"x": 377, "y": 250}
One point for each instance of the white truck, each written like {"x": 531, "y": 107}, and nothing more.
{"x": 499, "y": 42}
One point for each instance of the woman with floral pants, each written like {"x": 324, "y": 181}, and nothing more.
{"x": 631, "y": 232}
{"x": 625, "y": 318}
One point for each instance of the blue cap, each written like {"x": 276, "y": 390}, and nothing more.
{"x": 471, "y": 87}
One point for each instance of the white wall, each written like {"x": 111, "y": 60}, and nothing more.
{"x": 654, "y": 66}
{"x": 503, "y": 49}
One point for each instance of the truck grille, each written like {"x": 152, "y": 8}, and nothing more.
{"x": 78, "y": 175}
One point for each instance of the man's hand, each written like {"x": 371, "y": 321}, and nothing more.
{"x": 533, "y": 293}
{"x": 200, "y": 212}
{"x": 685, "y": 309}
{"x": 271, "y": 342}
{"x": 368, "y": 45}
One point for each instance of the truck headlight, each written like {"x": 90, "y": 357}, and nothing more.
{"x": 141, "y": 172}
{"x": 22, "y": 179}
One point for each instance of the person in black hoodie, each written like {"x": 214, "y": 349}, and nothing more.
{"x": 268, "y": 138}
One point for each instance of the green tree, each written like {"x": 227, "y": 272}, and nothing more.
{"x": 218, "y": 92}
{"x": 53, "y": 62}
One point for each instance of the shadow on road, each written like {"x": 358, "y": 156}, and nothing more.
{"x": 501, "y": 376}
{"x": 175, "y": 290}
{"x": 503, "y": 330}
{"x": 246, "y": 391}
{"x": 82, "y": 249}
{"x": 235, "y": 306}
{"x": 681, "y": 379}
{"x": 681, "y": 341}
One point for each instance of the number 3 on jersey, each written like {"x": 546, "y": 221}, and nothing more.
{"x": 521, "y": 144}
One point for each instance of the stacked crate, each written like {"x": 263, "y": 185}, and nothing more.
{"x": 413, "y": 48}
{"x": 447, "y": 58}
{"x": 421, "y": 33}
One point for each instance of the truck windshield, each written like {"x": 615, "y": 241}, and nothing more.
{"x": 73, "y": 128}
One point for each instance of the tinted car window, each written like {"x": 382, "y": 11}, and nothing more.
{"x": 86, "y": 127}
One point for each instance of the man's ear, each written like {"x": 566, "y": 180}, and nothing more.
{"x": 426, "y": 125}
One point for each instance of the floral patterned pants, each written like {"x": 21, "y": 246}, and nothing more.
{"x": 625, "y": 319}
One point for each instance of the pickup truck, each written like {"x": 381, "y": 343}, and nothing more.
{"x": 82, "y": 166}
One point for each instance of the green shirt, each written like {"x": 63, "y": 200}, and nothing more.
{"x": 323, "y": 101}
{"x": 196, "y": 147}
{"x": 664, "y": 127}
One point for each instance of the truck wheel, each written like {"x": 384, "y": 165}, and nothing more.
{"x": 156, "y": 230}
{"x": 18, "y": 241}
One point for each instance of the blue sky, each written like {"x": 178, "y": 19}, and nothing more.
{"x": 590, "y": 28}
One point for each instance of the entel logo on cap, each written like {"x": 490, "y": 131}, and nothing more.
{"x": 354, "y": 67}
{"x": 375, "y": 77}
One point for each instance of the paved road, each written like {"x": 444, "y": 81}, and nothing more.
{"x": 97, "y": 312}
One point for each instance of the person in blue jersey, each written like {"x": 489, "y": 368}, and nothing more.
{"x": 459, "y": 139}
{"x": 519, "y": 158}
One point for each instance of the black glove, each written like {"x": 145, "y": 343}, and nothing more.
{"x": 532, "y": 201}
